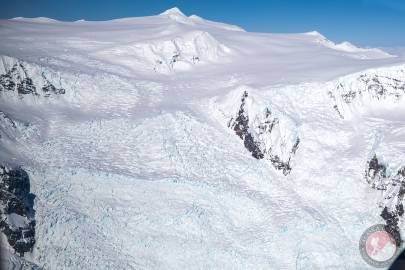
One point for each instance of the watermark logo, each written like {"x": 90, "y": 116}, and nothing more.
{"x": 378, "y": 247}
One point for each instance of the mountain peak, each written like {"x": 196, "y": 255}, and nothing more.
{"x": 175, "y": 14}
{"x": 173, "y": 11}
{"x": 315, "y": 34}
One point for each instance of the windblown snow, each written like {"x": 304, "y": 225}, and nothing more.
{"x": 174, "y": 142}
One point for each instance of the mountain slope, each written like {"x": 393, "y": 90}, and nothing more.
{"x": 173, "y": 142}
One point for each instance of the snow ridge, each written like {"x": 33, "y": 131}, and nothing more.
{"x": 347, "y": 47}
{"x": 180, "y": 53}
{"x": 358, "y": 93}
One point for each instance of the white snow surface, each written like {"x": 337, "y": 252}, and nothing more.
{"x": 135, "y": 167}
{"x": 345, "y": 46}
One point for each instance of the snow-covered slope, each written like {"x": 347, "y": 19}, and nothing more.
{"x": 169, "y": 54}
{"x": 174, "y": 142}
{"x": 370, "y": 92}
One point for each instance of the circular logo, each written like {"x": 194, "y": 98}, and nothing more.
{"x": 378, "y": 247}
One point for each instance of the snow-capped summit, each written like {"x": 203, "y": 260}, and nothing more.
{"x": 175, "y": 14}
{"x": 175, "y": 11}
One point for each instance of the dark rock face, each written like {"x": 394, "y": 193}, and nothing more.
{"x": 16, "y": 209}
{"x": 26, "y": 87}
{"x": 258, "y": 149}
{"x": 18, "y": 80}
{"x": 241, "y": 128}
{"x": 391, "y": 222}
{"x": 394, "y": 188}
{"x": 7, "y": 82}
{"x": 393, "y": 215}
{"x": 376, "y": 173}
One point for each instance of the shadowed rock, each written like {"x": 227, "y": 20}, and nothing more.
{"x": 394, "y": 190}
{"x": 376, "y": 174}
{"x": 16, "y": 211}
{"x": 253, "y": 141}
{"x": 17, "y": 79}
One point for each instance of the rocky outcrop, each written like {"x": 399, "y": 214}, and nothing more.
{"x": 391, "y": 218}
{"x": 394, "y": 190}
{"x": 265, "y": 135}
{"x": 49, "y": 89}
{"x": 376, "y": 174}
{"x": 356, "y": 92}
{"x": 16, "y": 209}
{"x": 17, "y": 79}
{"x": 241, "y": 128}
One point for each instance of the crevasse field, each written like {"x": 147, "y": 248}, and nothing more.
{"x": 174, "y": 142}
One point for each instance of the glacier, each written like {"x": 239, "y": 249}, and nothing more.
{"x": 175, "y": 142}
